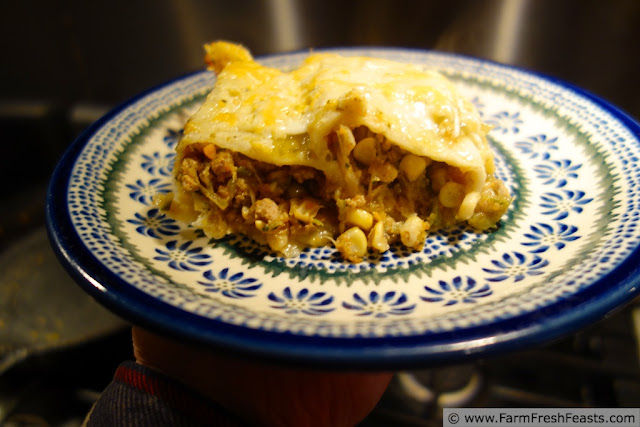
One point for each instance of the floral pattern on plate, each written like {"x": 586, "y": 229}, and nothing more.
{"x": 570, "y": 164}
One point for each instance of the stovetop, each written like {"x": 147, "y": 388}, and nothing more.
{"x": 597, "y": 367}
{"x": 52, "y": 370}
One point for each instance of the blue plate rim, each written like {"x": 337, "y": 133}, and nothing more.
{"x": 605, "y": 296}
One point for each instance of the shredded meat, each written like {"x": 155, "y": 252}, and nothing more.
{"x": 378, "y": 198}
{"x": 269, "y": 216}
{"x": 266, "y": 209}
{"x": 243, "y": 194}
{"x": 189, "y": 172}
{"x": 222, "y": 165}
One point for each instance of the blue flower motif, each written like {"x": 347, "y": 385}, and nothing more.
{"x": 557, "y": 171}
{"x": 144, "y": 192}
{"x": 505, "y": 122}
{"x": 183, "y": 258}
{"x": 155, "y": 224}
{"x": 544, "y": 236}
{"x": 304, "y": 302}
{"x": 460, "y": 290}
{"x": 162, "y": 164}
{"x": 477, "y": 102}
{"x": 172, "y": 137}
{"x": 560, "y": 204}
{"x": 375, "y": 305}
{"x": 516, "y": 266}
{"x": 232, "y": 286}
{"x": 538, "y": 145}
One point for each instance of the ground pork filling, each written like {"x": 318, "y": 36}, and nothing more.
{"x": 382, "y": 195}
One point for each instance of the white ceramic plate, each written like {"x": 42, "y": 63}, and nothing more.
{"x": 565, "y": 254}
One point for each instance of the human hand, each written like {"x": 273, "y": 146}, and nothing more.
{"x": 264, "y": 394}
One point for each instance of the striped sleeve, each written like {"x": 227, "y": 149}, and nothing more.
{"x": 140, "y": 396}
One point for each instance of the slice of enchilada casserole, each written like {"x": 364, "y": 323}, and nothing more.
{"x": 351, "y": 151}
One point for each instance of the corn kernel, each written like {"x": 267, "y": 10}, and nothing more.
{"x": 413, "y": 232}
{"x": 359, "y": 218}
{"x": 451, "y": 195}
{"x": 352, "y": 244}
{"x": 365, "y": 151}
{"x": 378, "y": 239}
{"x": 412, "y": 166}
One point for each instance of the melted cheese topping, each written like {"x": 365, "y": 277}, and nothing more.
{"x": 285, "y": 118}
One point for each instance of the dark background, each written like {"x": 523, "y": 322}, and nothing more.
{"x": 70, "y": 52}
{"x": 64, "y": 63}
